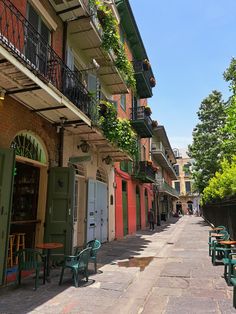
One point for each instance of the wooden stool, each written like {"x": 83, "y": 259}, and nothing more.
{"x": 10, "y": 250}
{"x": 20, "y": 242}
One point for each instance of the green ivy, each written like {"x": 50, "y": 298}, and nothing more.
{"x": 118, "y": 131}
{"x": 111, "y": 40}
{"x": 223, "y": 184}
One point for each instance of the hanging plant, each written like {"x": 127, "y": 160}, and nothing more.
{"x": 152, "y": 81}
{"x": 111, "y": 40}
{"x": 146, "y": 65}
{"x": 147, "y": 111}
{"x": 118, "y": 131}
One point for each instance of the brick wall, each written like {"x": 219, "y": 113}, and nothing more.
{"x": 15, "y": 117}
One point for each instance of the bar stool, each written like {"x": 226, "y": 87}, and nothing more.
{"x": 10, "y": 250}
{"x": 19, "y": 242}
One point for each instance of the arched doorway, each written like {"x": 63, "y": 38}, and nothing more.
{"x": 29, "y": 191}
{"x": 179, "y": 209}
{"x": 190, "y": 207}
{"x": 138, "y": 209}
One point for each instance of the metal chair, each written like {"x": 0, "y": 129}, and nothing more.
{"x": 78, "y": 264}
{"x": 217, "y": 249}
{"x": 29, "y": 259}
{"x": 210, "y": 237}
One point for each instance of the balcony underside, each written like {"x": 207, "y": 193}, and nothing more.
{"x": 142, "y": 128}
{"x": 162, "y": 161}
{"x": 143, "y": 85}
{"x": 144, "y": 178}
{"x": 21, "y": 83}
{"x": 94, "y": 137}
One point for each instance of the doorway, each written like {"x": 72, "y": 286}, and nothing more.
{"x": 138, "y": 209}
{"x": 125, "y": 207}
{"x": 25, "y": 202}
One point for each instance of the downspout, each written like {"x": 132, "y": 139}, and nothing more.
{"x": 61, "y": 133}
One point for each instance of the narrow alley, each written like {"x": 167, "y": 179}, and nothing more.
{"x": 166, "y": 271}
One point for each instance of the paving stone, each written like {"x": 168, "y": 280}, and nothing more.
{"x": 192, "y": 305}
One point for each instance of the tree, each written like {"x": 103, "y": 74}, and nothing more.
{"x": 229, "y": 128}
{"x": 206, "y": 149}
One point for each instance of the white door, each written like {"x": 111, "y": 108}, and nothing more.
{"x": 97, "y": 214}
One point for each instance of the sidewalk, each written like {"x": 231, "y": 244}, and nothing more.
{"x": 166, "y": 271}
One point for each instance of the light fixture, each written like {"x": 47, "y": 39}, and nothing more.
{"x": 107, "y": 160}
{"x": 84, "y": 146}
{"x": 2, "y": 94}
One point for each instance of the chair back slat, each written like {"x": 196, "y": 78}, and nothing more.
{"x": 95, "y": 246}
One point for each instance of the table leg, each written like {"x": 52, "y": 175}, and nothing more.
{"x": 48, "y": 265}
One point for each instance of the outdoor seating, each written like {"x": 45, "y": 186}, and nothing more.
{"x": 233, "y": 282}
{"x": 30, "y": 259}
{"x": 95, "y": 246}
{"x": 218, "y": 250}
{"x": 229, "y": 263}
{"x": 78, "y": 264}
{"x": 217, "y": 229}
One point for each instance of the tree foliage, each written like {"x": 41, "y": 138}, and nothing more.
{"x": 207, "y": 139}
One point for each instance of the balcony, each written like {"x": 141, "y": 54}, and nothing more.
{"x": 164, "y": 187}
{"x": 141, "y": 122}
{"x": 144, "y": 172}
{"x": 143, "y": 76}
{"x": 31, "y": 70}
{"x": 160, "y": 156}
{"x": 85, "y": 33}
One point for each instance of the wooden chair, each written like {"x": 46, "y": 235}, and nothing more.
{"x": 30, "y": 259}
{"x": 78, "y": 265}
{"x": 10, "y": 260}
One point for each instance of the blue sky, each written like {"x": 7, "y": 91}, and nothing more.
{"x": 189, "y": 44}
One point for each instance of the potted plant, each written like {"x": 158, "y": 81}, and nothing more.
{"x": 147, "y": 111}
{"x": 152, "y": 81}
{"x": 146, "y": 65}
{"x": 154, "y": 124}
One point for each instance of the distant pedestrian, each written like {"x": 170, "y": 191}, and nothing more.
{"x": 151, "y": 218}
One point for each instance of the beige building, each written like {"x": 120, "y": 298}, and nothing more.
{"x": 188, "y": 200}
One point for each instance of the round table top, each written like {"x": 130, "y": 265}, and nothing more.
{"x": 49, "y": 245}
{"x": 227, "y": 242}
{"x": 217, "y": 229}
{"x": 217, "y": 235}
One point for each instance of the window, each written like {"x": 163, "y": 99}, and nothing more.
{"x": 36, "y": 49}
{"x": 123, "y": 102}
{"x": 176, "y": 167}
{"x": 187, "y": 186}
{"x": 177, "y": 186}
{"x": 186, "y": 169}
{"x": 126, "y": 166}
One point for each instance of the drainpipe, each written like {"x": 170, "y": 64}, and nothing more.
{"x": 61, "y": 132}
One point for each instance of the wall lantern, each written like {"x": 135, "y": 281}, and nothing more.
{"x": 107, "y": 160}
{"x": 84, "y": 146}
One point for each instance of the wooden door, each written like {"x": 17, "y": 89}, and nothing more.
{"x": 7, "y": 161}
{"x": 125, "y": 207}
{"x": 59, "y": 215}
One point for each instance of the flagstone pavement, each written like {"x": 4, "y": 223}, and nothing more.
{"x": 164, "y": 271}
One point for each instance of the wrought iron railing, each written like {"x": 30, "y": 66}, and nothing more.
{"x": 139, "y": 67}
{"x": 141, "y": 113}
{"x": 145, "y": 171}
{"x": 23, "y": 41}
{"x": 164, "y": 187}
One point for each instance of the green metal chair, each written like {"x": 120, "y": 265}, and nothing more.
{"x": 210, "y": 237}
{"x": 229, "y": 263}
{"x": 30, "y": 259}
{"x": 95, "y": 246}
{"x": 233, "y": 282}
{"x": 77, "y": 264}
{"x": 217, "y": 249}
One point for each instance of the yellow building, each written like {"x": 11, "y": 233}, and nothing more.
{"x": 188, "y": 200}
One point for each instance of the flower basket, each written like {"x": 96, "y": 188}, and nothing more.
{"x": 149, "y": 162}
{"x": 152, "y": 81}
{"x": 146, "y": 65}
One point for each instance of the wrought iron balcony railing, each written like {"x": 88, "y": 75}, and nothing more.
{"x": 164, "y": 187}
{"x": 141, "y": 121}
{"x": 144, "y": 172}
{"x": 23, "y": 41}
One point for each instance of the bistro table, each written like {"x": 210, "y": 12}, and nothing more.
{"x": 227, "y": 244}
{"x": 217, "y": 229}
{"x": 217, "y": 235}
{"x": 48, "y": 247}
